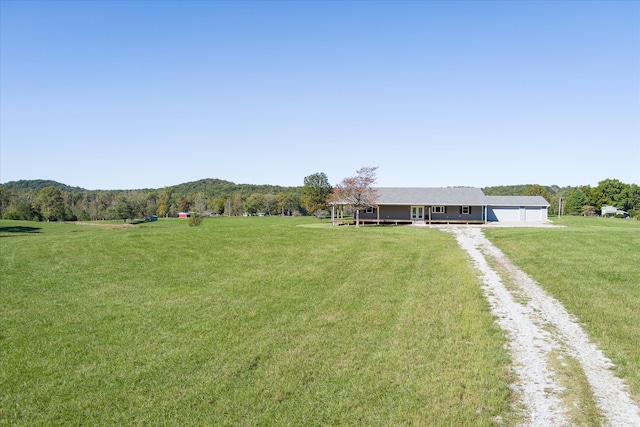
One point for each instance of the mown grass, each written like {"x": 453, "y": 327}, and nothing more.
{"x": 592, "y": 265}
{"x": 244, "y": 321}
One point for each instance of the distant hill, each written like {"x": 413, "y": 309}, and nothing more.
{"x": 39, "y": 184}
{"x": 219, "y": 186}
{"x": 208, "y": 186}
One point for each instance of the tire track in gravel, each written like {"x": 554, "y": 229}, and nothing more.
{"x": 531, "y": 343}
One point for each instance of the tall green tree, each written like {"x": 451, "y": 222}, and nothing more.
{"x": 254, "y": 203}
{"x": 185, "y": 204}
{"x": 608, "y": 192}
{"x": 5, "y": 199}
{"x": 200, "y": 202}
{"x": 124, "y": 209}
{"x": 218, "y": 205}
{"x": 316, "y": 192}
{"x": 630, "y": 197}
{"x": 237, "y": 206}
{"x": 285, "y": 203}
{"x": 50, "y": 203}
{"x": 270, "y": 204}
{"x": 163, "y": 203}
{"x": 151, "y": 203}
{"x": 575, "y": 201}
{"x": 538, "y": 190}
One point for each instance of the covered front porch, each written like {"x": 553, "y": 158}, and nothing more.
{"x": 411, "y": 214}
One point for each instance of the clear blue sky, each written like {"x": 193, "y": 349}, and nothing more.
{"x": 144, "y": 94}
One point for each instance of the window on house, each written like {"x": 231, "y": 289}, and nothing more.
{"x": 370, "y": 209}
{"x": 439, "y": 209}
{"x": 465, "y": 210}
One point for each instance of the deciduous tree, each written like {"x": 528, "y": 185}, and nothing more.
{"x": 269, "y": 203}
{"x": 608, "y": 192}
{"x": 5, "y": 199}
{"x": 316, "y": 192}
{"x": 200, "y": 203}
{"x": 237, "y": 207}
{"x": 357, "y": 191}
{"x": 218, "y": 205}
{"x": 50, "y": 203}
{"x": 163, "y": 203}
{"x": 124, "y": 209}
{"x": 285, "y": 203}
{"x": 185, "y": 204}
{"x": 254, "y": 203}
{"x": 575, "y": 202}
{"x": 538, "y": 190}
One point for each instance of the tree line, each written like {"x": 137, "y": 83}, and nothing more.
{"x": 43, "y": 200}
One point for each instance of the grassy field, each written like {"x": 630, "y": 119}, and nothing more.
{"x": 245, "y": 321}
{"x": 593, "y": 267}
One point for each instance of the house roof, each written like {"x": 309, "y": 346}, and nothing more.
{"x": 451, "y": 196}
{"x": 516, "y": 201}
{"x": 430, "y": 196}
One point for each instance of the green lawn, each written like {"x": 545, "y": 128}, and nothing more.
{"x": 593, "y": 267}
{"x": 244, "y": 321}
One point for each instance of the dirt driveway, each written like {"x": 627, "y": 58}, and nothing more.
{"x": 540, "y": 329}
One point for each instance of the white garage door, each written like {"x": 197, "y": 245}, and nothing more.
{"x": 504, "y": 214}
{"x": 533, "y": 214}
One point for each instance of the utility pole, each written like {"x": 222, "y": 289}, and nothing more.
{"x": 560, "y": 206}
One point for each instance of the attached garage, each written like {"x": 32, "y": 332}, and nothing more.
{"x": 503, "y": 213}
{"x": 517, "y": 208}
{"x": 535, "y": 214}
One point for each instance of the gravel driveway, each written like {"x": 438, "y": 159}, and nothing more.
{"x": 539, "y": 327}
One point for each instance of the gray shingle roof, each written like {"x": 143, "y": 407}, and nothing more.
{"x": 516, "y": 201}
{"x": 451, "y": 196}
{"x": 430, "y": 196}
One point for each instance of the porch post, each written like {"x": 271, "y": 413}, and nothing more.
{"x": 378, "y": 214}
{"x": 333, "y": 214}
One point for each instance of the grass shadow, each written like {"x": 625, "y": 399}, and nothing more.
{"x": 19, "y": 229}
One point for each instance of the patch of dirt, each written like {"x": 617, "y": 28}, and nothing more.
{"x": 538, "y": 327}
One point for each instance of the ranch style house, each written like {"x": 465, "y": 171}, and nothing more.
{"x": 463, "y": 205}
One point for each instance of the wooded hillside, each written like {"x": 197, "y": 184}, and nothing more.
{"x": 45, "y": 199}
{"x": 50, "y": 200}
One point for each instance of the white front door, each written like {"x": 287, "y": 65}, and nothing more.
{"x": 417, "y": 212}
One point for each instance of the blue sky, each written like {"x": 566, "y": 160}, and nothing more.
{"x": 143, "y": 94}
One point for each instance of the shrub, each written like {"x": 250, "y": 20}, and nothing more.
{"x": 195, "y": 220}
{"x": 321, "y": 214}
{"x": 588, "y": 211}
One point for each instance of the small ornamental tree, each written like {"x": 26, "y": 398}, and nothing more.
{"x": 357, "y": 191}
